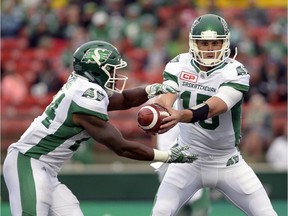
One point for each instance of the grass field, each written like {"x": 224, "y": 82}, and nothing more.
{"x": 143, "y": 208}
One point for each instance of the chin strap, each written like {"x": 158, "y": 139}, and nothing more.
{"x": 236, "y": 53}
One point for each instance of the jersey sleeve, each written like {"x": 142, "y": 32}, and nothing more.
{"x": 237, "y": 77}
{"x": 91, "y": 100}
{"x": 174, "y": 68}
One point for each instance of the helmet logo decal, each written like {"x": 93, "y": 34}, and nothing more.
{"x": 96, "y": 55}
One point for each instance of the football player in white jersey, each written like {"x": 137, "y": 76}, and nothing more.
{"x": 211, "y": 88}
{"x": 78, "y": 112}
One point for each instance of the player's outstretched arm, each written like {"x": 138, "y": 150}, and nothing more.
{"x": 106, "y": 134}
{"x": 212, "y": 107}
{"x": 132, "y": 97}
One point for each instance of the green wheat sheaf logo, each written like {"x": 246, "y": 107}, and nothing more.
{"x": 96, "y": 55}
{"x": 93, "y": 94}
{"x": 241, "y": 71}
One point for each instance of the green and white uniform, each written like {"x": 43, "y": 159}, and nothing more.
{"x": 215, "y": 140}
{"x": 51, "y": 140}
{"x": 196, "y": 87}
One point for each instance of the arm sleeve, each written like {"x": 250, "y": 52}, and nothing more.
{"x": 229, "y": 95}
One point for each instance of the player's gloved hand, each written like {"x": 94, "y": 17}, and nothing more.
{"x": 177, "y": 155}
{"x": 157, "y": 89}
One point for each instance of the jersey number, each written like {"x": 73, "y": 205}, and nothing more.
{"x": 210, "y": 124}
{"x": 50, "y": 111}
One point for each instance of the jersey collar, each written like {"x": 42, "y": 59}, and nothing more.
{"x": 194, "y": 64}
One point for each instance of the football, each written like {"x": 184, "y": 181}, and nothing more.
{"x": 150, "y": 117}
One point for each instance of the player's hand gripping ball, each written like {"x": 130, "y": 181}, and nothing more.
{"x": 150, "y": 117}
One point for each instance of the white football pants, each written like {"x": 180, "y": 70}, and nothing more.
{"x": 237, "y": 182}
{"x": 35, "y": 190}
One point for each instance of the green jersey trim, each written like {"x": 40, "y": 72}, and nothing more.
{"x": 76, "y": 145}
{"x": 168, "y": 76}
{"x": 236, "y": 119}
{"x": 223, "y": 64}
{"x": 78, "y": 109}
{"x": 195, "y": 66}
{"x": 66, "y": 131}
{"x": 237, "y": 86}
{"x": 217, "y": 68}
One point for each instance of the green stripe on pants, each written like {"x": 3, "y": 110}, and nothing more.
{"x": 27, "y": 185}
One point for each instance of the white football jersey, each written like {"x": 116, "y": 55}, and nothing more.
{"x": 220, "y": 133}
{"x": 53, "y": 137}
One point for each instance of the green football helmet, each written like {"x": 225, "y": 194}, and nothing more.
{"x": 209, "y": 27}
{"x": 98, "y": 61}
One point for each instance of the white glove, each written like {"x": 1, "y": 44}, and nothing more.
{"x": 157, "y": 89}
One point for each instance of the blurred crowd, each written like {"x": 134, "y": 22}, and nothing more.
{"x": 38, "y": 38}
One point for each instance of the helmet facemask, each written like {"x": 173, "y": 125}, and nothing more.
{"x": 113, "y": 78}
{"x": 198, "y": 55}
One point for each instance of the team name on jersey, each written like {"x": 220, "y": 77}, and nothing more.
{"x": 190, "y": 80}
{"x": 198, "y": 86}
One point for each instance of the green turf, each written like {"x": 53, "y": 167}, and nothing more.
{"x": 143, "y": 208}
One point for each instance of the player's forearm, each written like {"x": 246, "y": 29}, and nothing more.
{"x": 134, "y": 97}
{"x": 136, "y": 151}
{"x": 212, "y": 107}
{"x": 166, "y": 100}
{"x": 128, "y": 99}
{"x": 185, "y": 115}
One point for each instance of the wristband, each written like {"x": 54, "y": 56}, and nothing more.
{"x": 160, "y": 155}
{"x": 199, "y": 112}
{"x": 148, "y": 89}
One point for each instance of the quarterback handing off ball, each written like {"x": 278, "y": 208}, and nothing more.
{"x": 150, "y": 117}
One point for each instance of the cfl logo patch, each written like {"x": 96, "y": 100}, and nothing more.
{"x": 188, "y": 77}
